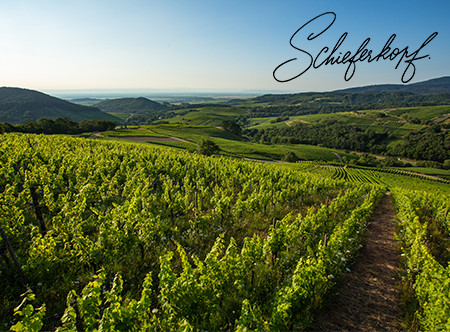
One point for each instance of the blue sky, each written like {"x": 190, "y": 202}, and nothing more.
{"x": 208, "y": 45}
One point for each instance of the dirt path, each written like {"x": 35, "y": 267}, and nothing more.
{"x": 153, "y": 139}
{"x": 146, "y": 129}
{"x": 181, "y": 140}
{"x": 339, "y": 157}
{"x": 367, "y": 298}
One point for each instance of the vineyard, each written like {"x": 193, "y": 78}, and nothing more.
{"x": 388, "y": 177}
{"x": 424, "y": 235}
{"x": 120, "y": 236}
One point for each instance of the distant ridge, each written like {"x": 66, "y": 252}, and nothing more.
{"x": 131, "y": 105}
{"x": 432, "y": 92}
{"x": 19, "y": 105}
{"x": 435, "y": 85}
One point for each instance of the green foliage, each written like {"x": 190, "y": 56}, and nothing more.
{"x": 390, "y": 162}
{"x": 59, "y": 126}
{"x": 31, "y": 317}
{"x": 105, "y": 310}
{"x": 430, "y": 279}
{"x": 329, "y": 102}
{"x": 231, "y": 244}
{"x": 251, "y": 318}
{"x": 390, "y": 177}
{"x": 290, "y": 157}
{"x": 331, "y": 134}
{"x": 316, "y": 273}
{"x": 118, "y": 205}
{"x": 208, "y": 148}
{"x": 366, "y": 160}
{"x": 232, "y": 127}
{"x": 426, "y": 145}
{"x": 447, "y": 163}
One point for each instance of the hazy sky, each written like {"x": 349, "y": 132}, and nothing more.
{"x": 225, "y": 45}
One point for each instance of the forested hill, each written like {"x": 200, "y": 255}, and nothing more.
{"x": 432, "y": 92}
{"x": 20, "y": 105}
{"x": 131, "y": 105}
{"x": 433, "y": 86}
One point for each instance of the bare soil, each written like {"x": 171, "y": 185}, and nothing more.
{"x": 147, "y": 138}
{"x": 181, "y": 140}
{"x": 154, "y": 139}
{"x": 368, "y": 297}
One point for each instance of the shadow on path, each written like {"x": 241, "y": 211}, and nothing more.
{"x": 367, "y": 298}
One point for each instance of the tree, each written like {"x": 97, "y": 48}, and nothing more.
{"x": 7, "y": 128}
{"x": 208, "y": 148}
{"x": 46, "y": 126}
{"x": 232, "y": 127}
{"x": 290, "y": 157}
{"x": 66, "y": 126}
{"x": 96, "y": 125}
{"x": 391, "y": 162}
{"x": 367, "y": 160}
{"x": 447, "y": 163}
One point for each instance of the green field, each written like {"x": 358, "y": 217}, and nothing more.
{"x": 132, "y": 131}
{"x": 435, "y": 113}
{"x": 206, "y": 116}
{"x": 193, "y": 133}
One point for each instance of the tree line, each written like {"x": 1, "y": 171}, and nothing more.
{"x": 330, "y": 134}
{"x": 58, "y": 126}
{"x": 430, "y": 143}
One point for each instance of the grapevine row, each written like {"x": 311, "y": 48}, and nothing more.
{"x": 430, "y": 278}
{"x": 227, "y": 288}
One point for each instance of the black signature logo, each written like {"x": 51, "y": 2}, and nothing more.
{"x": 328, "y": 56}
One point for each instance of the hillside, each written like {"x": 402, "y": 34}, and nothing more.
{"x": 431, "y": 92}
{"x": 397, "y": 121}
{"x": 20, "y": 105}
{"x": 315, "y": 102}
{"x": 130, "y": 105}
{"x": 436, "y": 85}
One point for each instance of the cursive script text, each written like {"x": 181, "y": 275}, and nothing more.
{"x": 331, "y": 56}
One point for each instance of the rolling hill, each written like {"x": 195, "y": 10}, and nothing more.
{"x": 131, "y": 105}
{"x": 20, "y": 105}
{"x": 435, "y": 85}
{"x": 431, "y": 92}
